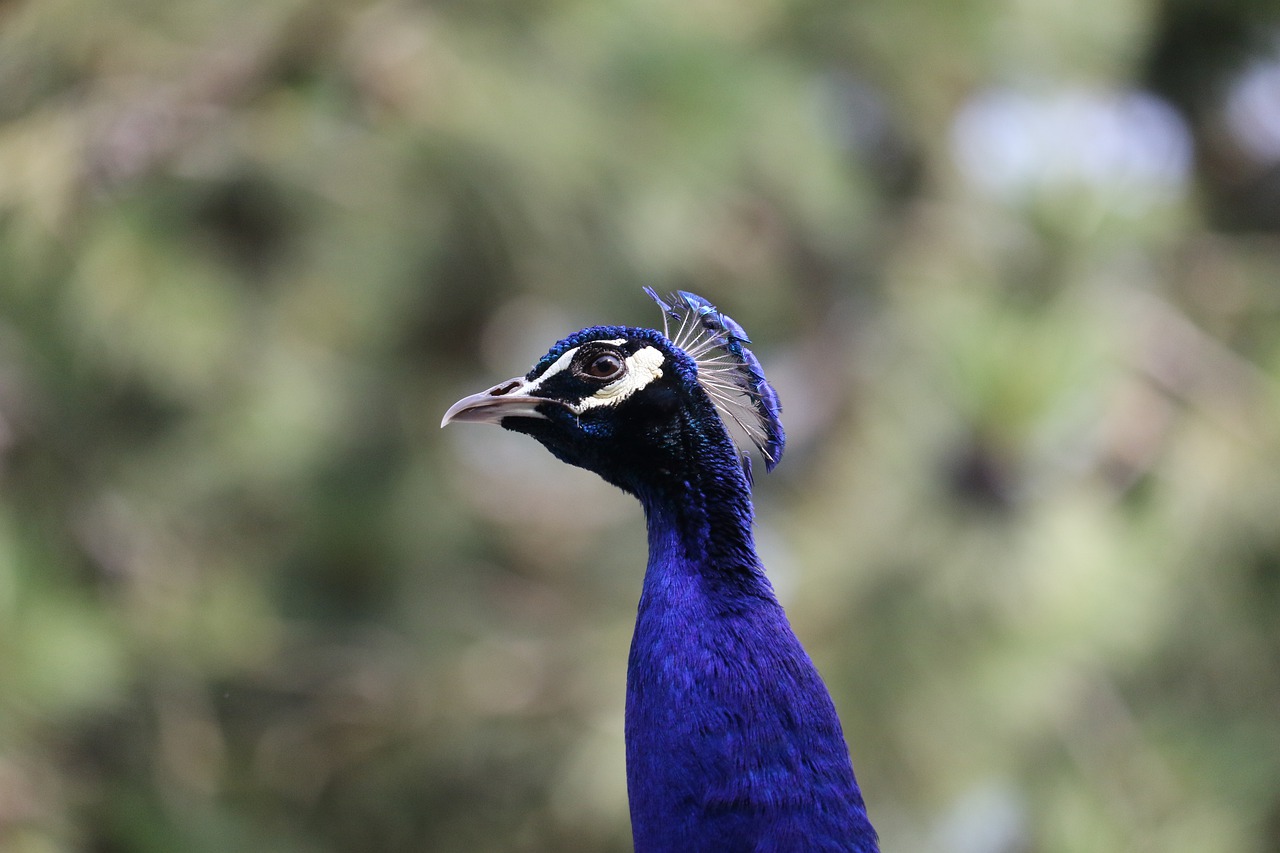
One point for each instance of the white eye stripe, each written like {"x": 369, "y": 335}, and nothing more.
{"x": 642, "y": 368}
{"x": 558, "y": 366}
{"x": 562, "y": 363}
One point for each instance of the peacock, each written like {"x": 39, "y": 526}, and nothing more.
{"x": 732, "y": 740}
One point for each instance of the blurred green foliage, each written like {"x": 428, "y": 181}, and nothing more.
{"x": 1013, "y": 267}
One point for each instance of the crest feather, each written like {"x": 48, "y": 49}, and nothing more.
{"x": 728, "y": 371}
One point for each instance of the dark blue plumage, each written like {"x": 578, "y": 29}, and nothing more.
{"x": 733, "y": 743}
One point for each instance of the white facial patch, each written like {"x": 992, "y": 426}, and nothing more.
{"x": 642, "y": 368}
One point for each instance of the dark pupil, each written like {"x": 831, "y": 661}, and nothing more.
{"x": 603, "y": 365}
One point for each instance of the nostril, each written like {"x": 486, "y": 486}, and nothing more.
{"x": 505, "y": 388}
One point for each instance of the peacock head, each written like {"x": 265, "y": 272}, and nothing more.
{"x": 638, "y": 406}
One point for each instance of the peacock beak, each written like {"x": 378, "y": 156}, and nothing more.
{"x": 504, "y": 400}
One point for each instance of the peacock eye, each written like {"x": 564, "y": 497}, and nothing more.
{"x": 605, "y": 365}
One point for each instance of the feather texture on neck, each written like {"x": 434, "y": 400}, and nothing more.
{"x": 732, "y": 740}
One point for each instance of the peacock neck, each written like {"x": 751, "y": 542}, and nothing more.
{"x": 699, "y": 514}
{"x": 702, "y": 533}
{"x": 732, "y": 740}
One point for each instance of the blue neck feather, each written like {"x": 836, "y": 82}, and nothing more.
{"x": 732, "y": 740}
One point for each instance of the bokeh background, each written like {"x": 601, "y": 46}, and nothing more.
{"x": 1013, "y": 266}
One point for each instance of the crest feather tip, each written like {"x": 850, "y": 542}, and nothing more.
{"x": 730, "y": 373}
